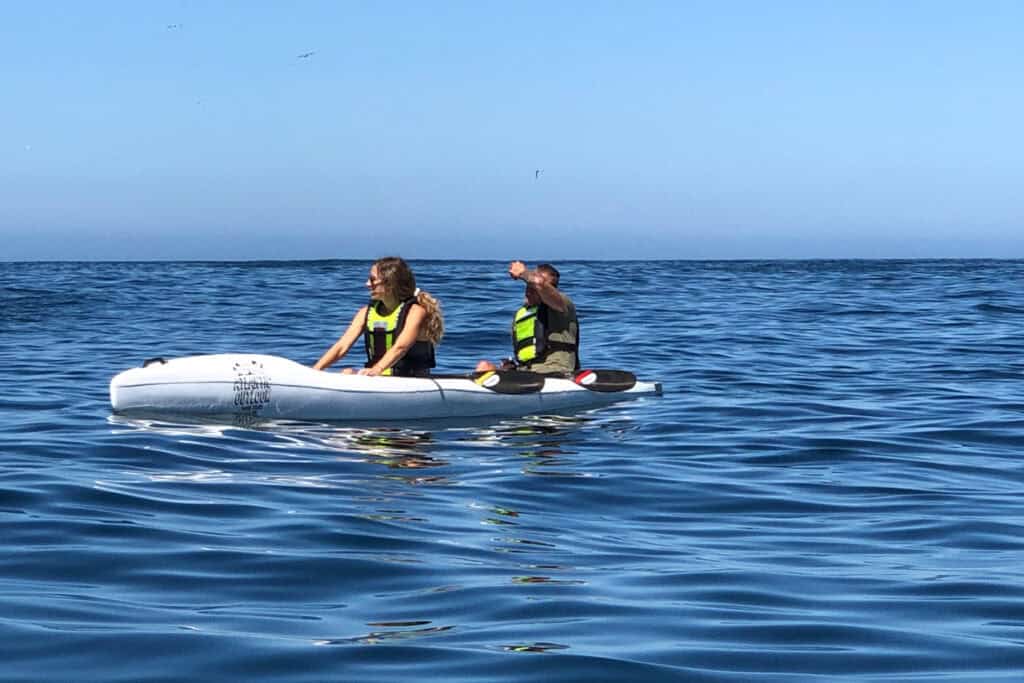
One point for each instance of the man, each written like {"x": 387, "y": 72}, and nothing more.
{"x": 545, "y": 331}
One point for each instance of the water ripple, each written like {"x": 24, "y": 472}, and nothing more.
{"x": 828, "y": 490}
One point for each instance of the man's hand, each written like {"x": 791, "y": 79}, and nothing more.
{"x": 369, "y": 372}
{"x": 516, "y": 269}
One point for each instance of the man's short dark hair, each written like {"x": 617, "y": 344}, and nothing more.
{"x": 550, "y": 271}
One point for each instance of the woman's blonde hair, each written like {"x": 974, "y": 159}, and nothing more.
{"x": 397, "y": 278}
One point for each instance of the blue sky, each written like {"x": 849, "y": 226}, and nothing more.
{"x": 188, "y": 130}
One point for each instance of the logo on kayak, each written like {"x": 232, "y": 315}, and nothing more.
{"x": 251, "y": 388}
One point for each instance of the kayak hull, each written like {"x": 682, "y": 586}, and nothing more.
{"x": 273, "y": 387}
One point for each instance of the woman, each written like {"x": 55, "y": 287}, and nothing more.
{"x": 400, "y": 326}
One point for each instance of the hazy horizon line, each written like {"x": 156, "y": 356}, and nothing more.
{"x": 736, "y": 259}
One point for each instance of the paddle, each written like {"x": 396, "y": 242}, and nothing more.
{"x": 509, "y": 381}
{"x": 605, "y": 381}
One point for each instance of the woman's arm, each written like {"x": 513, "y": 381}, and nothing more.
{"x": 341, "y": 347}
{"x": 411, "y": 330}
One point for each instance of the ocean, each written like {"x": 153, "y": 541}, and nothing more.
{"x": 831, "y": 487}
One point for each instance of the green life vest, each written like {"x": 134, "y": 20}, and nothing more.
{"x": 527, "y": 334}
{"x": 379, "y": 335}
{"x": 530, "y": 341}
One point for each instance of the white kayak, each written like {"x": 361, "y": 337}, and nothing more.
{"x": 274, "y": 387}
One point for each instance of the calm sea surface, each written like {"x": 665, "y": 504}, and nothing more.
{"x": 831, "y": 488}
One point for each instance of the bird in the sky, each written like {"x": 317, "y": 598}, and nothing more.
{"x": 305, "y": 55}
{"x": 171, "y": 27}
{"x": 536, "y": 174}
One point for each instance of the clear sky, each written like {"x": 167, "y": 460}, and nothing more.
{"x": 183, "y": 129}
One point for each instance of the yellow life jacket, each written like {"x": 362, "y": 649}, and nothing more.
{"x": 530, "y": 342}
{"x": 379, "y": 335}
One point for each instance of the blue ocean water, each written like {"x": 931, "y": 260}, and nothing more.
{"x": 830, "y": 488}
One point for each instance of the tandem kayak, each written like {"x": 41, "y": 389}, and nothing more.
{"x": 274, "y": 387}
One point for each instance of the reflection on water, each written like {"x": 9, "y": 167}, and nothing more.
{"x": 539, "y": 429}
{"x": 543, "y": 439}
{"x": 504, "y": 520}
{"x": 211, "y": 450}
{"x": 158, "y": 425}
{"x": 392, "y": 447}
{"x": 535, "y": 647}
{"x": 333, "y": 456}
{"x": 546, "y": 579}
{"x": 382, "y": 637}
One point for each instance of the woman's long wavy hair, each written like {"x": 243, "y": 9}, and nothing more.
{"x": 397, "y": 277}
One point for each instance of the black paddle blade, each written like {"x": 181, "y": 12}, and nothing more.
{"x": 510, "y": 381}
{"x": 607, "y": 381}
